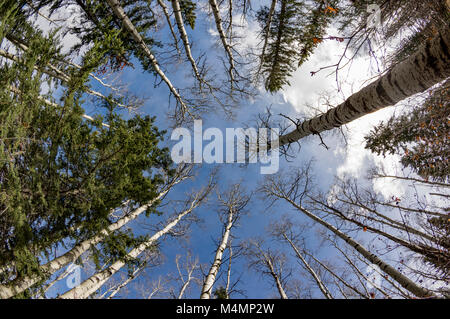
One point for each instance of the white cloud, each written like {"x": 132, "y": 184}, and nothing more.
{"x": 306, "y": 90}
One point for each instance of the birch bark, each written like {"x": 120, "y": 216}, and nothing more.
{"x": 223, "y": 38}
{"x": 20, "y": 285}
{"x": 172, "y": 31}
{"x": 427, "y": 67}
{"x": 281, "y": 291}
{"x": 93, "y": 283}
{"x": 212, "y": 274}
{"x": 184, "y": 37}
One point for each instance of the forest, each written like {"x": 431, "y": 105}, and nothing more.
{"x": 224, "y": 149}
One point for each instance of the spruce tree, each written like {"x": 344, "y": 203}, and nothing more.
{"x": 295, "y": 30}
{"x": 420, "y": 136}
{"x": 62, "y": 176}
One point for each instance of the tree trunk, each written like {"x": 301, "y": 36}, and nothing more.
{"x": 427, "y": 67}
{"x": 319, "y": 282}
{"x": 336, "y": 276}
{"x": 404, "y": 281}
{"x": 120, "y": 13}
{"x": 266, "y": 34}
{"x": 281, "y": 291}
{"x": 226, "y": 45}
{"x": 20, "y": 285}
{"x": 211, "y": 277}
{"x": 93, "y": 283}
{"x": 172, "y": 31}
{"x": 185, "y": 39}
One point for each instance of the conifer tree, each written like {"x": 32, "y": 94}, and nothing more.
{"x": 419, "y": 136}
{"x": 291, "y": 32}
{"x": 61, "y": 176}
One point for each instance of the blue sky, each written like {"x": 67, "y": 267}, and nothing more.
{"x": 295, "y": 101}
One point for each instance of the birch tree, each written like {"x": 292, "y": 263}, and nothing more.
{"x": 233, "y": 203}
{"x": 284, "y": 232}
{"x": 93, "y": 283}
{"x": 267, "y": 262}
{"x": 120, "y": 14}
{"x": 191, "y": 266}
{"x": 184, "y": 37}
{"x": 427, "y": 67}
{"x": 223, "y": 38}
{"x": 149, "y": 260}
{"x": 20, "y": 284}
{"x": 165, "y": 10}
{"x": 292, "y": 193}
{"x": 290, "y": 33}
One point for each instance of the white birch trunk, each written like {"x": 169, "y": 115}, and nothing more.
{"x": 230, "y": 258}
{"x": 428, "y": 66}
{"x": 281, "y": 291}
{"x": 93, "y": 283}
{"x": 185, "y": 285}
{"x": 18, "y": 286}
{"x": 184, "y": 38}
{"x": 211, "y": 277}
{"x": 226, "y": 45}
{"x": 166, "y": 14}
{"x": 123, "y": 284}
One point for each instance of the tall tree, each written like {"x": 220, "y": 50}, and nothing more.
{"x": 93, "y": 283}
{"x": 233, "y": 203}
{"x": 293, "y": 192}
{"x": 61, "y": 176}
{"x": 427, "y": 67}
{"x": 268, "y": 262}
{"x": 290, "y": 33}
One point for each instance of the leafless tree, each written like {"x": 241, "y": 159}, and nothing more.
{"x": 232, "y": 203}
{"x": 268, "y": 262}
